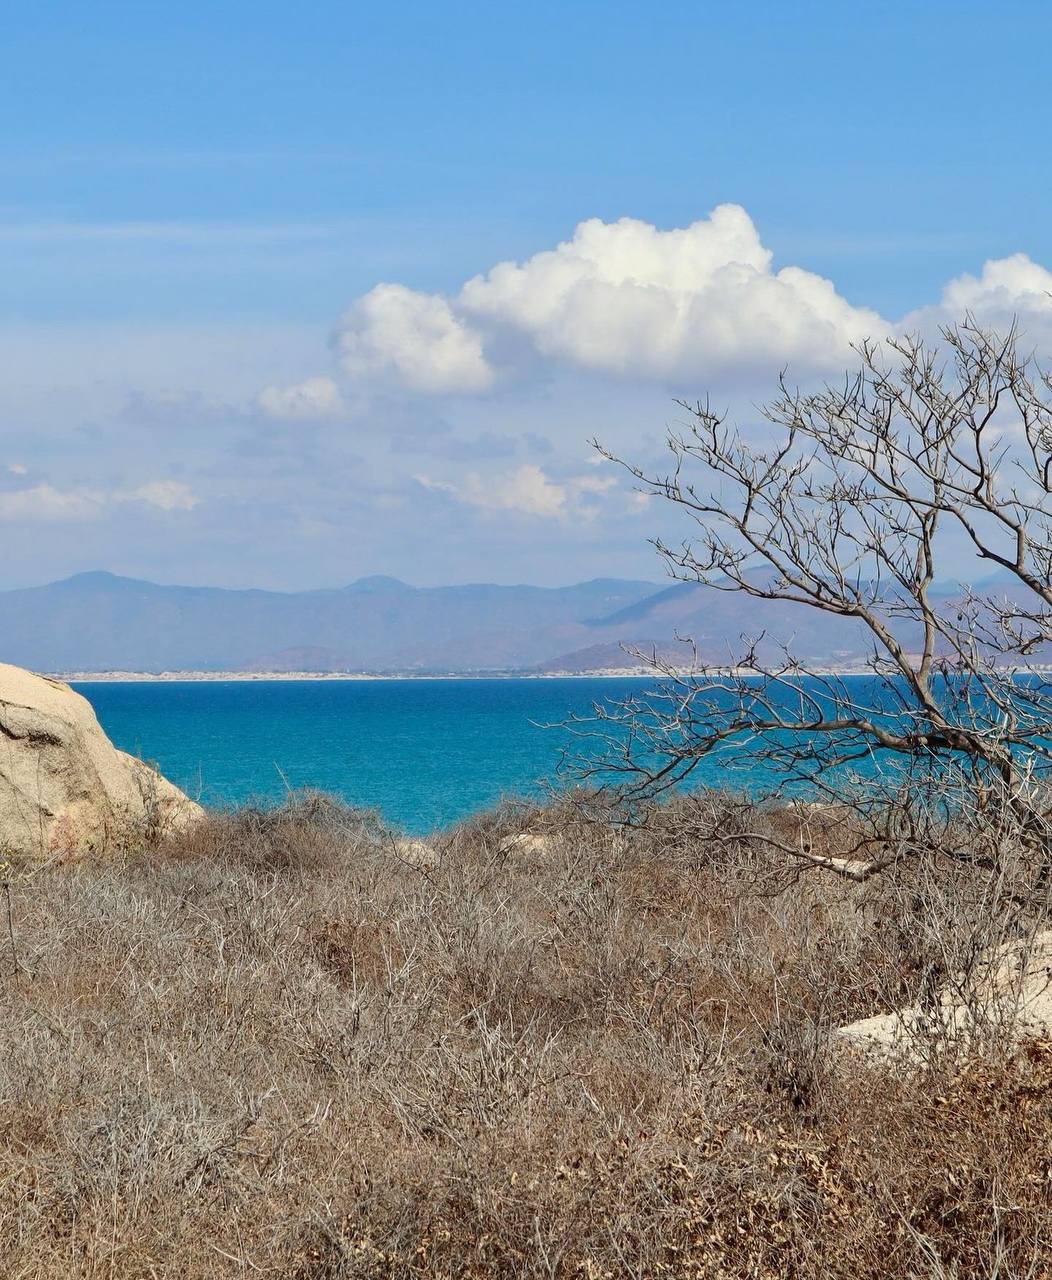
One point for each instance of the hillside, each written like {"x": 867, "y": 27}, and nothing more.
{"x": 716, "y": 622}
{"x": 290, "y": 1044}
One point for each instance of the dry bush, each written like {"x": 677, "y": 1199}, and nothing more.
{"x": 310, "y": 832}
{"x": 274, "y": 1048}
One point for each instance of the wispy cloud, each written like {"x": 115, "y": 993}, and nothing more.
{"x": 310, "y": 400}
{"x": 45, "y": 503}
{"x": 526, "y": 489}
{"x": 170, "y": 232}
{"x": 175, "y": 158}
{"x": 166, "y": 495}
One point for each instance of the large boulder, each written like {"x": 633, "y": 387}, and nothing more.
{"x": 64, "y": 787}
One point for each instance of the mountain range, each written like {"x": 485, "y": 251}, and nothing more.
{"x": 101, "y": 622}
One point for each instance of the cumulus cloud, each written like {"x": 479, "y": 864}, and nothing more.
{"x": 622, "y": 298}
{"x": 700, "y": 304}
{"x": 1005, "y": 290}
{"x": 1016, "y": 283}
{"x": 626, "y": 297}
{"x": 415, "y": 336}
{"x": 526, "y": 489}
{"x": 46, "y": 504}
{"x": 306, "y": 401}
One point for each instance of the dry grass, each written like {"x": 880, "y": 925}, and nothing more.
{"x": 276, "y": 1049}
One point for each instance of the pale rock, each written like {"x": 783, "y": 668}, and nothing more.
{"x": 65, "y": 789}
{"x": 527, "y": 842}
{"x": 417, "y": 853}
{"x": 1012, "y": 986}
{"x": 545, "y": 843}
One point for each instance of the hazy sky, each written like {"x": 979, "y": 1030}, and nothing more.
{"x": 290, "y": 294}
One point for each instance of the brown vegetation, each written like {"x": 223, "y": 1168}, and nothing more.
{"x": 276, "y": 1048}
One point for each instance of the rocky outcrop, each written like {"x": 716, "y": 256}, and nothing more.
{"x": 65, "y": 789}
{"x": 1010, "y": 990}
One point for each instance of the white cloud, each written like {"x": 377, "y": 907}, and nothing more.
{"x": 415, "y": 336}
{"x": 17, "y": 469}
{"x": 628, "y": 298}
{"x": 304, "y": 401}
{"x": 525, "y": 489}
{"x": 167, "y": 495}
{"x": 44, "y": 503}
{"x": 1007, "y": 289}
{"x": 1016, "y": 284}
{"x": 622, "y": 298}
{"x": 696, "y": 305}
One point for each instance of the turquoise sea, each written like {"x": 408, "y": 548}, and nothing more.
{"x": 423, "y": 752}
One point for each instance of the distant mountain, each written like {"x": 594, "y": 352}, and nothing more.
{"x": 101, "y": 622}
{"x": 717, "y": 623}
{"x": 720, "y": 625}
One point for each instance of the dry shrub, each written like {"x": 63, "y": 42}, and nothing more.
{"x": 309, "y": 832}
{"x": 275, "y": 1048}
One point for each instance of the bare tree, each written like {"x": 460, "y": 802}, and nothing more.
{"x": 868, "y": 486}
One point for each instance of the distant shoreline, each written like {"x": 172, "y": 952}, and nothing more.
{"x": 288, "y": 677}
{"x": 216, "y": 677}
{"x": 177, "y": 677}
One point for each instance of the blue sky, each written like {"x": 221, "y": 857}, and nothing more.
{"x": 199, "y": 203}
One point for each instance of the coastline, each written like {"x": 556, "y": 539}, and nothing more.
{"x": 190, "y": 677}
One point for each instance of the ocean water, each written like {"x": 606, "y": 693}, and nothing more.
{"x": 424, "y": 752}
